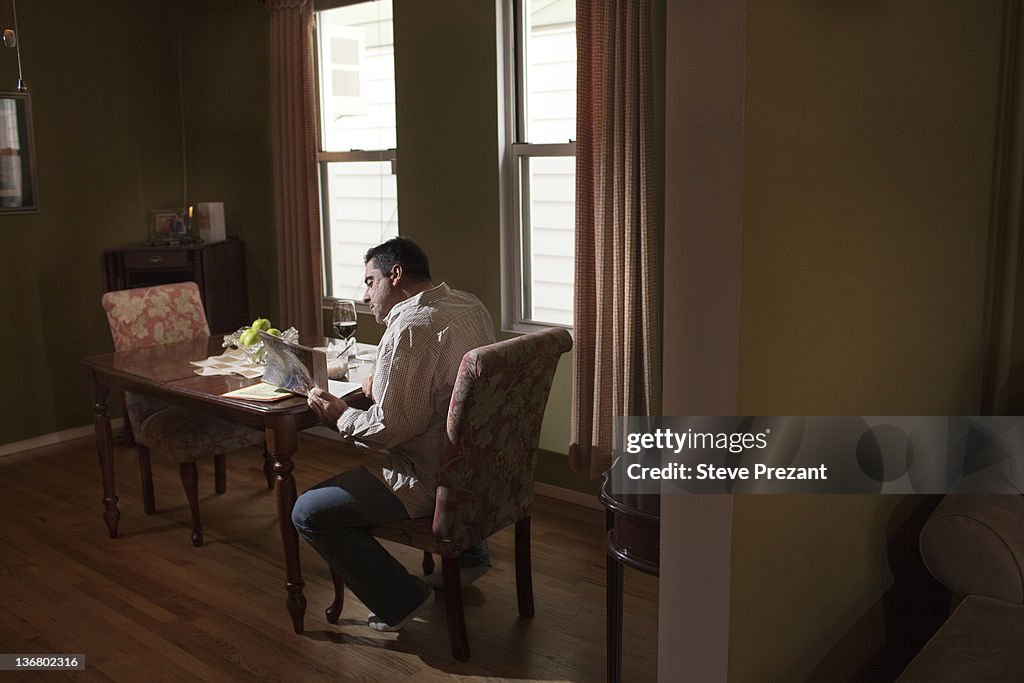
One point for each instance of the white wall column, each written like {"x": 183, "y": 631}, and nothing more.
{"x": 704, "y": 74}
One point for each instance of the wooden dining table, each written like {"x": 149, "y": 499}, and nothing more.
{"x": 165, "y": 372}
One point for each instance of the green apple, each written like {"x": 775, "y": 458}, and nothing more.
{"x": 261, "y": 324}
{"x": 274, "y": 331}
{"x": 249, "y": 337}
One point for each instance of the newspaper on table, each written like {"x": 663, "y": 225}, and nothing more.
{"x": 293, "y": 366}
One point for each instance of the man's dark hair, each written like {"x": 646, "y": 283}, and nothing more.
{"x": 403, "y": 251}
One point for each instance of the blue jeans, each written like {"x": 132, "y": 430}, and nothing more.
{"x": 333, "y": 516}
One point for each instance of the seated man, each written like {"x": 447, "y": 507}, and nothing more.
{"x": 429, "y": 329}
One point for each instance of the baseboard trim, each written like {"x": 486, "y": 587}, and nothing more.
{"x": 54, "y": 438}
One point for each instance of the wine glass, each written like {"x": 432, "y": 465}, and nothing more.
{"x": 344, "y": 323}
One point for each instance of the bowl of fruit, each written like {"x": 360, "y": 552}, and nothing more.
{"x": 248, "y": 339}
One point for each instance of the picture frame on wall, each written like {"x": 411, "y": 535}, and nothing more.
{"x": 18, "y": 193}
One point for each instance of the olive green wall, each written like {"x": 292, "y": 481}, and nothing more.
{"x": 447, "y": 109}
{"x": 227, "y": 107}
{"x": 103, "y": 77}
{"x": 869, "y": 132}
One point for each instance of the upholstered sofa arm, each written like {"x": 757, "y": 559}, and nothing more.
{"x": 974, "y": 545}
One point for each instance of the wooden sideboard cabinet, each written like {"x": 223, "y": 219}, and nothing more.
{"x": 218, "y": 268}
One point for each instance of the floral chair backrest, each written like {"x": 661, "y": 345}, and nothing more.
{"x": 494, "y": 419}
{"x": 155, "y": 315}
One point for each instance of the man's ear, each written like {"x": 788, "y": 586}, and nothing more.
{"x": 397, "y": 272}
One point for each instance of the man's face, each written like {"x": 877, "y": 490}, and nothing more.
{"x": 381, "y": 293}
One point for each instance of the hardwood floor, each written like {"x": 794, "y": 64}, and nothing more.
{"x": 149, "y": 606}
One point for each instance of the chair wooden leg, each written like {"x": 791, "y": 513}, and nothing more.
{"x": 524, "y": 572}
{"x": 190, "y": 480}
{"x": 334, "y": 610}
{"x": 268, "y": 469}
{"x": 450, "y": 571}
{"x": 428, "y": 563}
{"x": 220, "y": 473}
{"x": 146, "y": 475}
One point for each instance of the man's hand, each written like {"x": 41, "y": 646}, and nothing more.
{"x": 368, "y": 387}
{"x": 327, "y": 406}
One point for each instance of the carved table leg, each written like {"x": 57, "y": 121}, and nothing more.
{"x": 281, "y": 444}
{"x": 105, "y": 451}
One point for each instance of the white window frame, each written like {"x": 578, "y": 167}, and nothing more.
{"x": 324, "y": 159}
{"x": 515, "y": 195}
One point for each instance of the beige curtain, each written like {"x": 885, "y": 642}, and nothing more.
{"x": 296, "y": 193}
{"x": 617, "y": 319}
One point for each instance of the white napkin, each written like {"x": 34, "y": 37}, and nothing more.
{"x": 231, "y": 362}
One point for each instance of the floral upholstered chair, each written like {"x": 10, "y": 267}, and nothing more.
{"x": 486, "y": 478}
{"x": 163, "y": 315}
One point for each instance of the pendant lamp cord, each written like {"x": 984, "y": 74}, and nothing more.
{"x": 22, "y": 86}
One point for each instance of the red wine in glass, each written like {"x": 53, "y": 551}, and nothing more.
{"x": 345, "y": 328}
